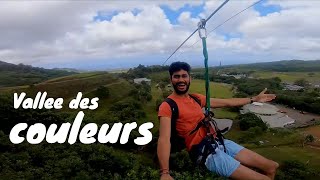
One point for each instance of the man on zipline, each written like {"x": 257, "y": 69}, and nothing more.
{"x": 227, "y": 159}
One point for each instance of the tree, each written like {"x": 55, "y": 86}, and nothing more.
{"x": 249, "y": 120}
{"x": 162, "y": 85}
{"x": 293, "y": 169}
{"x": 102, "y": 92}
{"x": 127, "y": 110}
{"x": 309, "y": 138}
{"x": 166, "y": 93}
{"x": 158, "y": 103}
{"x": 301, "y": 82}
{"x": 311, "y": 74}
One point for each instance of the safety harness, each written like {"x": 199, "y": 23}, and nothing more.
{"x": 213, "y": 139}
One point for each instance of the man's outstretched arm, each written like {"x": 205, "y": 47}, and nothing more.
{"x": 163, "y": 149}
{"x": 231, "y": 102}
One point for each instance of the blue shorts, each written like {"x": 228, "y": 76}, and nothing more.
{"x": 223, "y": 163}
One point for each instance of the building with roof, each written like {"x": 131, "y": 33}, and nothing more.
{"x": 268, "y": 114}
{"x": 237, "y": 76}
{"x": 140, "y": 80}
{"x": 292, "y": 87}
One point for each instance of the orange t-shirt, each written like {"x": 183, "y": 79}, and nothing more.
{"x": 190, "y": 114}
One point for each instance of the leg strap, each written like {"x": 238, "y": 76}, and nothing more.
{"x": 201, "y": 151}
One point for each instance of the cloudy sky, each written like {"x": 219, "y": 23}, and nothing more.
{"x": 122, "y": 34}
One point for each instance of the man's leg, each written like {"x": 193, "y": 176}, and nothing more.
{"x": 225, "y": 165}
{"x": 244, "y": 173}
{"x": 252, "y": 159}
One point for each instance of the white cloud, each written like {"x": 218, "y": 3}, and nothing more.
{"x": 36, "y": 32}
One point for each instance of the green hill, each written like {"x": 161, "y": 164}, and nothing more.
{"x": 17, "y": 75}
{"x": 280, "y": 66}
{"x": 68, "y": 86}
{"x": 125, "y": 161}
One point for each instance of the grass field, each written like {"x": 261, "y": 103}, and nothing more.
{"x": 279, "y": 146}
{"x": 69, "y": 86}
{"x": 217, "y": 90}
{"x": 314, "y": 130}
{"x": 305, "y": 155}
{"x": 76, "y": 77}
{"x": 289, "y": 76}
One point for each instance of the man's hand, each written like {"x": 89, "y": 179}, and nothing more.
{"x": 262, "y": 97}
{"x": 166, "y": 177}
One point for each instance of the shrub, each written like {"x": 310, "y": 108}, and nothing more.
{"x": 293, "y": 169}
{"x": 249, "y": 120}
{"x": 102, "y": 92}
{"x": 158, "y": 103}
{"x": 309, "y": 138}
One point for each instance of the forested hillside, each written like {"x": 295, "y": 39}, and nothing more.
{"x": 280, "y": 66}
{"x": 17, "y": 75}
{"x": 121, "y": 100}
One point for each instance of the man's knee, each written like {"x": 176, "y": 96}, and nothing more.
{"x": 272, "y": 167}
{"x": 221, "y": 163}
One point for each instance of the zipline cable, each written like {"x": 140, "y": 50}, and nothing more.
{"x": 229, "y": 19}
{"x": 225, "y": 22}
{"x": 214, "y": 12}
{"x": 195, "y": 31}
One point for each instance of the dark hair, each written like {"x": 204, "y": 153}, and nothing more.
{"x": 177, "y": 66}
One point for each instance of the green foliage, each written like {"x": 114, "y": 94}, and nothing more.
{"x": 293, "y": 169}
{"x": 10, "y": 116}
{"x": 96, "y": 161}
{"x": 127, "y": 111}
{"x": 166, "y": 93}
{"x": 305, "y": 101}
{"x": 301, "y": 82}
{"x": 158, "y": 103}
{"x": 102, "y": 92}
{"x": 162, "y": 85}
{"x": 215, "y": 78}
{"x": 282, "y": 132}
{"x": 59, "y": 161}
{"x": 255, "y": 86}
{"x": 141, "y": 92}
{"x": 251, "y": 134}
{"x": 250, "y": 120}
{"x": 309, "y": 138}
{"x": 180, "y": 162}
{"x": 17, "y": 75}
{"x": 241, "y": 95}
{"x": 280, "y": 66}
{"x": 142, "y": 71}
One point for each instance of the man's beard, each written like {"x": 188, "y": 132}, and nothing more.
{"x": 175, "y": 87}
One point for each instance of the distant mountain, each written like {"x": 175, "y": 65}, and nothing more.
{"x": 17, "y": 75}
{"x": 70, "y": 70}
{"x": 281, "y": 66}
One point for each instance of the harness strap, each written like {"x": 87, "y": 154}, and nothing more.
{"x": 207, "y": 146}
{"x": 199, "y": 125}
